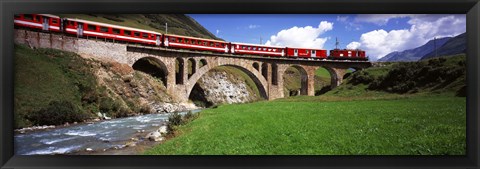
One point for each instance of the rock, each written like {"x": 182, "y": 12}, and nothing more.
{"x": 105, "y": 117}
{"x": 131, "y": 144}
{"x": 154, "y": 136}
{"x": 100, "y": 115}
{"x": 163, "y": 130}
{"x": 88, "y": 149}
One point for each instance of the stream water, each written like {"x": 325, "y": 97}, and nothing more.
{"x": 111, "y": 134}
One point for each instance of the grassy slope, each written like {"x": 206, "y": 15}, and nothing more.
{"x": 346, "y": 120}
{"x": 46, "y": 75}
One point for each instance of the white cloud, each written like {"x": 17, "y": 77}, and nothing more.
{"x": 423, "y": 28}
{"x": 253, "y": 26}
{"x": 353, "y": 45}
{"x": 218, "y": 31}
{"x": 307, "y": 36}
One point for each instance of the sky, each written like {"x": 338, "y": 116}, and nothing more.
{"x": 377, "y": 34}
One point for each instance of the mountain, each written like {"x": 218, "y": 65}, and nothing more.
{"x": 455, "y": 45}
{"x": 414, "y": 54}
{"x": 179, "y": 24}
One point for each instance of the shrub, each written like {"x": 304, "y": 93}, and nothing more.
{"x": 57, "y": 112}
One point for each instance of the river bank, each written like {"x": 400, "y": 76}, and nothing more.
{"x": 116, "y": 136}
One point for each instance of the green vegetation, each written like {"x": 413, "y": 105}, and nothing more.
{"x": 419, "y": 125}
{"x": 438, "y": 75}
{"x": 179, "y": 24}
{"x": 349, "y": 120}
{"x": 53, "y": 87}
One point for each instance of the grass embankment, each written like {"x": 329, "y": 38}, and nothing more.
{"x": 53, "y": 87}
{"x": 425, "y": 118}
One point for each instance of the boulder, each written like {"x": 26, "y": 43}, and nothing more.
{"x": 154, "y": 136}
{"x": 162, "y": 130}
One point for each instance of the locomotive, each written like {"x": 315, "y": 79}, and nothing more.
{"x": 85, "y": 28}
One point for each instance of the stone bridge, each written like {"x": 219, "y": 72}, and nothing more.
{"x": 182, "y": 69}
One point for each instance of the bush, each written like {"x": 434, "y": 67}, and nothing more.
{"x": 57, "y": 112}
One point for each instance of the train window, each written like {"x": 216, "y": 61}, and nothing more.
{"x": 205, "y": 43}
{"x": 17, "y": 16}
{"x": 54, "y": 21}
{"x": 115, "y": 31}
{"x": 38, "y": 18}
{"x": 199, "y": 42}
{"x": 211, "y": 44}
{"x": 28, "y": 17}
{"x": 187, "y": 41}
{"x": 274, "y": 50}
{"x": 172, "y": 39}
{"x": 145, "y": 35}
{"x": 127, "y": 33}
{"x": 249, "y": 48}
{"x": 103, "y": 29}
{"x": 254, "y": 48}
{"x": 137, "y": 34}
{"x": 70, "y": 23}
{"x": 92, "y": 27}
{"x": 296, "y": 51}
{"x": 313, "y": 51}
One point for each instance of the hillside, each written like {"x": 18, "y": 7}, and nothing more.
{"x": 179, "y": 24}
{"x": 455, "y": 45}
{"x": 414, "y": 54}
{"x": 445, "y": 75}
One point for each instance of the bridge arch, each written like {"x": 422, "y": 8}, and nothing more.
{"x": 260, "y": 82}
{"x": 303, "y": 78}
{"x": 192, "y": 67}
{"x": 179, "y": 70}
{"x": 152, "y": 66}
{"x": 335, "y": 74}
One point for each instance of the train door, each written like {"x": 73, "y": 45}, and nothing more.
{"x": 226, "y": 48}
{"x": 157, "y": 42}
{"x": 349, "y": 54}
{"x": 80, "y": 29}
{"x": 295, "y": 52}
{"x": 45, "y": 23}
{"x": 313, "y": 53}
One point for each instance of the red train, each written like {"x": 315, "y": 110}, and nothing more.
{"x": 84, "y": 28}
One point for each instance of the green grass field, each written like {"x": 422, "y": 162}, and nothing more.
{"x": 426, "y": 125}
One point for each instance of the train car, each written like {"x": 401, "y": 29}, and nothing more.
{"x": 361, "y": 55}
{"x": 192, "y": 43}
{"x": 84, "y": 28}
{"x": 44, "y": 22}
{"x": 306, "y": 53}
{"x": 347, "y": 54}
{"x": 253, "y": 49}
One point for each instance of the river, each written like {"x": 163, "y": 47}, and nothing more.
{"x": 99, "y": 136}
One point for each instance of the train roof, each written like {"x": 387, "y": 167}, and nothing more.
{"x": 249, "y": 44}
{"x": 195, "y": 38}
{"x": 111, "y": 25}
{"x": 49, "y": 15}
{"x": 306, "y": 48}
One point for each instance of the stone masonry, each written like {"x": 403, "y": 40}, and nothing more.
{"x": 270, "y": 87}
